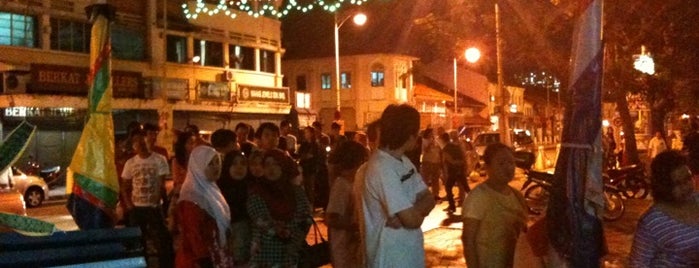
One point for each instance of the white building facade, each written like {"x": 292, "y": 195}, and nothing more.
{"x": 368, "y": 83}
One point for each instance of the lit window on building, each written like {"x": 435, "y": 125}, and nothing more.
{"x": 377, "y": 78}
{"x": 346, "y": 80}
{"x": 17, "y": 30}
{"x": 303, "y": 100}
{"x": 325, "y": 81}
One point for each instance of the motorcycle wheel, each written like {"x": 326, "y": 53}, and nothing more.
{"x": 537, "y": 198}
{"x": 635, "y": 188}
{"x": 614, "y": 207}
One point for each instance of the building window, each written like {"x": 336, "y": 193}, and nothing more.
{"x": 17, "y": 30}
{"x": 128, "y": 44}
{"x": 211, "y": 53}
{"x": 303, "y": 100}
{"x": 266, "y": 61}
{"x": 301, "y": 82}
{"x": 240, "y": 57}
{"x": 377, "y": 78}
{"x": 176, "y": 49}
{"x": 69, "y": 35}
{"x": 325, "y": 81}
{"x": 346, "y": 80}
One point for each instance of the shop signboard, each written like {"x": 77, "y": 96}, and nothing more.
{"x": 216, "y": 91}
{"x": 248, "y": 93}
{"x": 171, "y": 88}
{"x": 68, "y": 80}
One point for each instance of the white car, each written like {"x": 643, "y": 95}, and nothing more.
{"x": 33, "y": 188}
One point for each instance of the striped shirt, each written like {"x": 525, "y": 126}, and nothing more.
{"x": 661, "y": 241}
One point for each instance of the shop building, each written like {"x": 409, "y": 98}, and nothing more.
{"x": 212, "y": 71}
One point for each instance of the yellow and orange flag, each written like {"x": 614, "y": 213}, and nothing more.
{"x": 92, "y": 180}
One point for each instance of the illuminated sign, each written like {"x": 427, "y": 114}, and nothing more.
{"x": 67, "y": 80}
{"x": 39, "y": 112}
{"x": 263, "y": 94}
{"x": 171, "y": 88}
{"x": 214, "y": 91}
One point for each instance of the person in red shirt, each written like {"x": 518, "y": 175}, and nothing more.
{"x": 203, "y": 214}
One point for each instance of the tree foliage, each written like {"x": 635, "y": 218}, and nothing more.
{"x": 537, "y": 37}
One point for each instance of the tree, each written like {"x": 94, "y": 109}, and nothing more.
{"x": 542, "y": 43}
{"x": 664, "y": 28}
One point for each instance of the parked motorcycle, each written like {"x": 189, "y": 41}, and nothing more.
{"x": 535, "y": 184}
{"x": 538, "y": 185}
{"x": 631, "y": 181}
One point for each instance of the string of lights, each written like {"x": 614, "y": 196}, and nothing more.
{"x": 257, "y": 8}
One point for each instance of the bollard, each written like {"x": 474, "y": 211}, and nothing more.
{"x": 540, "y": 163}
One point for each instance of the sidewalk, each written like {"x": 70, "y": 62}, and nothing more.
{"x": 443, "y": 246}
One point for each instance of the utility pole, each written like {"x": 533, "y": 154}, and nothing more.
{"x": 504, "y": 125}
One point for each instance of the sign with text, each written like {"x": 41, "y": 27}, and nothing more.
{"x": 171, "y": 88}
{"x": 68, "y": 80}
{"x": 217, "y": 91}
{"x": 263, "y": 94}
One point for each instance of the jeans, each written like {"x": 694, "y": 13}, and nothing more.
{"x": 152, "y": 224}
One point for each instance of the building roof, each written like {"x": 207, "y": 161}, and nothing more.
{"x": 424, "y": 92}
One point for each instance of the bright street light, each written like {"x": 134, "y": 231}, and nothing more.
{"x": 473, "y": 54}
{"x": 358, "y": 19}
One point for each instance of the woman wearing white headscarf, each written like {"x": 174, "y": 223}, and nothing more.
{"x": 203, "y": 214}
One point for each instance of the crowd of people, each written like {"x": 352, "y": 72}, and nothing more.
{"x": 247, "y": 198}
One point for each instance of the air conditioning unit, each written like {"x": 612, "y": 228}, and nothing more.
{"x": 227, "y": 75}
{"x": 14, "y": 83}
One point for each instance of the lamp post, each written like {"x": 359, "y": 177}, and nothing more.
{"x": 472, "y": 55}
{"x": 504, "y": 121}
{"x": 358, "y": 19}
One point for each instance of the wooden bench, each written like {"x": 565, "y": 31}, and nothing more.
{"x": 119, "y": 247}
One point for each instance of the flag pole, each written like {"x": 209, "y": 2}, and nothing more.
{"x": 577, "y": 196}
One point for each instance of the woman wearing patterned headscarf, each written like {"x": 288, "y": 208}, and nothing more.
{"x": 203, "y": 214}
{"x": 280, "y": 213}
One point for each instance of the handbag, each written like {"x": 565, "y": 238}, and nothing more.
{"x": 316, "y": 254}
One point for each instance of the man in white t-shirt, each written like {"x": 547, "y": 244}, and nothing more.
{"x": 143, "y": 189}
{"x": 656, "y": 145}
{"x": 395, "y": 200}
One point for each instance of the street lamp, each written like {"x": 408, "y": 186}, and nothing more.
{"x": 472, "y": 55}
{"x": 358, "y": 19}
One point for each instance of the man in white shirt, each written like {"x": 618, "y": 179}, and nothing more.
{"x": 656, "y": 145}
{"x": 395, "y": 200}
{"x": 143, "y": 188}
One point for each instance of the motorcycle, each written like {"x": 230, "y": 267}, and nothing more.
{"x": 538, "y": 185}
{"x": 631, "y": 181}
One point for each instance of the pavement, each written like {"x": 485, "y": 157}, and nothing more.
{"x": 442, "y": 232}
